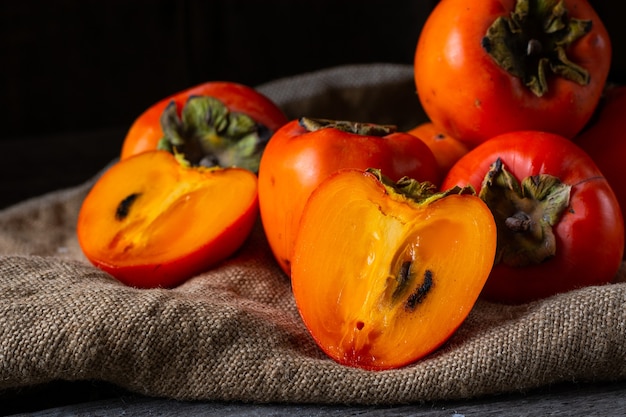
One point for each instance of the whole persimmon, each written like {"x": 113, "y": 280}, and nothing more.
{"x": 483, "y": 68}
{"x": 559, "y": 222}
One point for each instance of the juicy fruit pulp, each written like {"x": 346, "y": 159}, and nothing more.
{"x": 387, "y": 280}
{"x": 151, "y": 222}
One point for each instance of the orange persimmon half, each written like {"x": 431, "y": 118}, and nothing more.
{"x": 384, "y": 273}
{"x": 153, "y": 221}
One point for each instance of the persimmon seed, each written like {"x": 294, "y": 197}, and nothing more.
{"x": 403, "y": 279}
{"x": 403, "y": 274}
{"x": 420, "y": 293}
{"x": 121, "y": 212}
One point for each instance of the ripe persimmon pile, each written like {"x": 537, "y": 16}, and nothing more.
{"x": 511, "y": 191}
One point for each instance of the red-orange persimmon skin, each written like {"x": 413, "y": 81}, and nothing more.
{"x": 447, "y": 150}
{"x": 465, "y": 92}
{"x": 605, "y": 140}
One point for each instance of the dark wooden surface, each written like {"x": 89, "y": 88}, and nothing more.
{"x": 572, "y": 400}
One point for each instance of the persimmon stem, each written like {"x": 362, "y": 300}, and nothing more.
{"x": 519, "y": 222}
{"x": 534, "y": 47}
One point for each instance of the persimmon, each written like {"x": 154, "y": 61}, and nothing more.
{"x": 483, "y": 68}
{"x": 152, "y": 220}
{"x": 446, "y": 149}
{"x": 383, "y": 273}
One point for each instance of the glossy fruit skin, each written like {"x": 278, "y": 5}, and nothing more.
{"x": 296, "y": 160}
{"x": 145, "y": 132}
{"x": 151, "y": 222}
{"x": 464, "y": 92}
{"x": 354, "y": 241}
{"x": 605, "y": 140}
{"x": 447, "y": 150}
{"x": 589, "y": 235}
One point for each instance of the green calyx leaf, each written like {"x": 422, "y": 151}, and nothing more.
{"x": 525, "y": 214}
{"x": 367, "y": 129}
{"x": 419, "y": 192}
{"x": 532, "y": 43}
{"x": 208, "y": 134}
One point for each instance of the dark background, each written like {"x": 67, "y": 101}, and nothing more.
{"x": 75, "y": 73}
{"x": 81, "y": 64}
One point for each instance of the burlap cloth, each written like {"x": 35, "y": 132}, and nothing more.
{"x": 233, "y": 333}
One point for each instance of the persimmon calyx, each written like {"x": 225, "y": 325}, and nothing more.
{"x": 208, "y": 134}
{"x": 525, "y": 214}
{"x": 366, "y": 129}
{"x": 532, "y": 42}
{"x": 419, "y": 192}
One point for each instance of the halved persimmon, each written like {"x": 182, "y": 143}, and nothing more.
{"x": 383, "y": 273}
{"x": 153, "y": 221}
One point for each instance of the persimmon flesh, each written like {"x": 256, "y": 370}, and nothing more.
{"x": 381, "y": 279}
{"x": 151, "y": 221}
